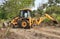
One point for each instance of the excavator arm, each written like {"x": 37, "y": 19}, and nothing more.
{"x": 51, "y": 18}
{"x": 42, "y": 18}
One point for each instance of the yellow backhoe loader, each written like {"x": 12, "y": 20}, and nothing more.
{"x": 24, "y": 20}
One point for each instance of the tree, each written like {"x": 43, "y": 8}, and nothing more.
{"x": 53, "y": 9}
{"x": 50, "y": 1}
{"x": 57, "y": 1}
{"x": 41, "y": 9}
{"x": 12, "y": 7}
{"x": 2, "y": 13}
{"x": 53, "y": 2}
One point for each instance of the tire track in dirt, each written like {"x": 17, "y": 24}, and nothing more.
{"x": 48, "y": 34}
{"x": 52, "y": 31}
{"x": 22, "y": 32}
{"x": 48, "y": 31}
{"x": 30, "y": 33}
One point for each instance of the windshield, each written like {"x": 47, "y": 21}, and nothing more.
{"x": 25, "y": 14}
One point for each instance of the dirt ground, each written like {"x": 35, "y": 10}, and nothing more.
{"x": 33, "y": 33}
{"x": 44, "y": 31}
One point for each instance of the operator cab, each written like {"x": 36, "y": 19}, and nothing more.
{"x": 25, "y": 13}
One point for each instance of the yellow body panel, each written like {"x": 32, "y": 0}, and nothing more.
{"x": 14, "y": 21}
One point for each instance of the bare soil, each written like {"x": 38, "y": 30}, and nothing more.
{"x": 33, "y": 33}
{"x": 44, "y": 31}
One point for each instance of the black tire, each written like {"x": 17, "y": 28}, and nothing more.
{"x": 20, "y": 24}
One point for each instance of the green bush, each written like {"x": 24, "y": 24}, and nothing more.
{"x": 47, "y": 20}
{"x": 56, "y": 16}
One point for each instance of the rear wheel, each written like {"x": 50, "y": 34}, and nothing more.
{"x": 23, "y": 24}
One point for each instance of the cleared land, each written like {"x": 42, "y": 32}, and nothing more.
{"x": 33, "y": 33}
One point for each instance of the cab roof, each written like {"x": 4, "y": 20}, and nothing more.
{"x": 25, "y": 9}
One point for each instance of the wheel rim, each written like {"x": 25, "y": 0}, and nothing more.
{"x": 24, "y": 24}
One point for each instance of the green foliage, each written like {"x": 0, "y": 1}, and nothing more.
{"x": 57, "y": 1}
{"x": 53, "y": 2}
{"x": 33, "y": 13}
{"x": 53, "y": 9}
{"x": 40, "y": 11}
{"x": 46, "y": 20}
{"x": 11, "y": 8}
{"x": 57, "y": 16}
{"x": 50, "y": 1}
{"x": 2, "y": 13}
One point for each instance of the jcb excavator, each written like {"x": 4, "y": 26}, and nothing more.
{"x": 24, "y": 20}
